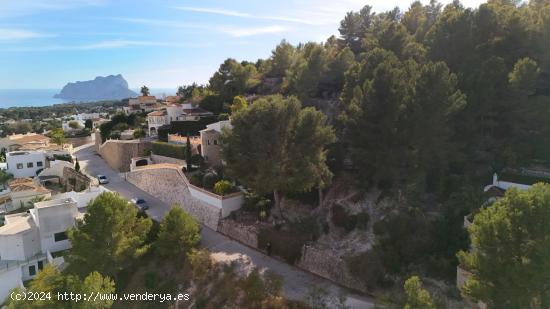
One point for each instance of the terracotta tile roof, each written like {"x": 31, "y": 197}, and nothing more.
{"x": 146, "y": 98}
{"x": 157, "y": 113}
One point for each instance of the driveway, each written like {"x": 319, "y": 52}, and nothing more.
{"x": 297, "y": 283}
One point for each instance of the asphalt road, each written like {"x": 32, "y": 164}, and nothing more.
{"x": 297, "y": 283}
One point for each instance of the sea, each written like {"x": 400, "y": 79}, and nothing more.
{"x": 44, "y": 97}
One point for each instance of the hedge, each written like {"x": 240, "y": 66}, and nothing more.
{"x": 169, "y": 150}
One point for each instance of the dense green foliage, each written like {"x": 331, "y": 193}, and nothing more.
{"x": 120, "y": 122}
{"x": 50, "y": 281}
{"x": 110, "y": 237}
{"x": 57, "y": 136}
{"x": 276, "y": 146}
{"x": 178, "y": 234}
{"x": 168, "y": 150}
{"x": 417, "y": 296}
{"x": 510, "y": 260}
{"x": 424, "y": 93}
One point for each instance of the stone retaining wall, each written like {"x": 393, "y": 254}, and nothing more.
{"x": 75, "y": 181}
{"x": 246, "y": 234}
{"x": 118, "y": 154}
{"x": 328, "y": 265}
{"x": 167, "y": 184}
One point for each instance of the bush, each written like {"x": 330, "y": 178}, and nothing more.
{"x": 286, "y": 244}
{"x": 367, "y": 267}
{"x": 341, "y": 218}
{"x": 169, "y": 150}
{"x": 209, "y": 180}
{"x": 222, "y": 187}
{"x": 139, "y": 133}
{"x": 362, "y": 220}
{"x": 196, "y": 180}
{"x": 254, "y": 202}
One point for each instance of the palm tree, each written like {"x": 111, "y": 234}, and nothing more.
{"x": 4, "y": 178}
{"x": 145, "y": 91}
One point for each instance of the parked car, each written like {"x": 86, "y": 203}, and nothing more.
{"x": 102, "y": 179}
{"x": 139, "y": 203}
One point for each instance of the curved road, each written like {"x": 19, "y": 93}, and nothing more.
{"x": 297, "y": 283}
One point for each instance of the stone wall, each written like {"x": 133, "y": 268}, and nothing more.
{"x": 118, "y": 154}
{"x": 167, "y": 184}
{"x": 328, "y": 265}
{"x": 246, "y": 234}
{"x": 75, "y": 181}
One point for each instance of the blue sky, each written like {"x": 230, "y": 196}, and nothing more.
{"x": 162, "y": 44}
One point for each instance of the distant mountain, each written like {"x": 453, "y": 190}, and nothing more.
{"x": 112, "y": 87}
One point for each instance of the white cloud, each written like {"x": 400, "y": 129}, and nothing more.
{"x": 14, "y": 8}
{"x": 226, "y": 29}
{"x": 109, "y": 44}
{"x": 319, "y": 20}
{"x": 7, "y": 34}
{"x": 251, "y": 31}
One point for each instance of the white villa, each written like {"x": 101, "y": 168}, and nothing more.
{"x": 25, "y": 163}
{"x": 174, "y": 112}
{"x": 28, "y": 239}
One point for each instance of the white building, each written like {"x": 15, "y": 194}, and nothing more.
{"x": 156, "y": 120}
{"x": 28, "y": 239}
{"x": 25, "y": 163}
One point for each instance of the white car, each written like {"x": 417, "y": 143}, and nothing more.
{"x": 102, "y": 179}
{"x": 139, "y": 203}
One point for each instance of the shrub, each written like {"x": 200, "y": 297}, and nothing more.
{"x": 139, "y": 133}
{"x": 121, "y": 126}
{"x": 367, "y": 267}
{"x": 362, "y": 220}
{"x": 308, "y": 228}
{"x": 209, "y": 180}
{"x": 285, "y": 244}
{"x": 341, "y": 218}
{"x": 254, "y": 202}
{"x": 196, "y": 180}
{"x": 222, "y": 187}
{"x": 169, "y": 150}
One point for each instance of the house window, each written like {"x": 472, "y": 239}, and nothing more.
{"x": 215, "y": 142}
{"x": 32, "y": 270}
{"x": 39, "y": 163}
{"x": 30, "y": 165}
{"x": 60, "y": 236}
{"x": 19, "y": 166}
{"x": 40, "y": 265}
{"x": 208, "y": 142}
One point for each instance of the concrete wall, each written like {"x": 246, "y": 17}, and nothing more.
{"x": 166, "y": 182}
{"x": 55, "y": 219}
{"x": 226, "y": 203}
{"x": 10, "y": 278}
{"x": 118, "y": 154}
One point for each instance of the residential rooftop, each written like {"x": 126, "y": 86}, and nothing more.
{"x": 17, "y": 223}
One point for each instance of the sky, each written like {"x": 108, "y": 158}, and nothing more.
{"x": 162, "y": 44}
